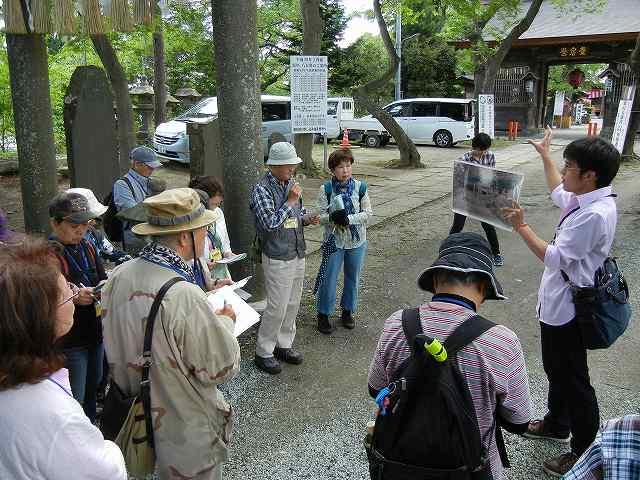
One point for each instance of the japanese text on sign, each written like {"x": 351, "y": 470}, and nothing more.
{"x": 486, "y": 115}
{"x": 308, "y": 94}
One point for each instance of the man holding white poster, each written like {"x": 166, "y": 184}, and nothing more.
{"x": 583, "y": 239}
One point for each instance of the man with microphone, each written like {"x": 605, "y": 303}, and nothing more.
{"x": 279, "y": 217}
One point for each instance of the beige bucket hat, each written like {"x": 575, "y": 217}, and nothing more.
{"x": 173, "y": 211}
{"x": 283, "y": 153}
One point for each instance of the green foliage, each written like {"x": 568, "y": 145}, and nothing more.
{"x": 189, "y": 53}
{"x": 358, "y": 64}
{"x": 6, "y": 110}
{"x": 429, "y": 69}
{"x": 280, "y": 35}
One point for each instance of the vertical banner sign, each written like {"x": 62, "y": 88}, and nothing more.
{"x": 486, "y": 115}
{"x": 558, "y": 106}
{"x": 308, "y": 94}
{"x": 622, "y": 119}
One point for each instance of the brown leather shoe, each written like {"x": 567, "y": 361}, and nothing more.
{"x": 288, "y": 355}
{"x": 560, "y": 465}
{"x": 539, "y": 430}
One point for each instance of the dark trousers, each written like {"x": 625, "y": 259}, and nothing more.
{"x": 572, "y": 402}
{"x": 489, "y": 230}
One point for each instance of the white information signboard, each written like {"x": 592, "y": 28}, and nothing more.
{"x": 486, "y": 115}
{"x": 622, "y": 120}
{"x": 308, "y": 94}
{"x": 558, "y": 106}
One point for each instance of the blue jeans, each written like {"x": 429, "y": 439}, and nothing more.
{"x": 85, "y": 372}
{"x": 353, "y": 259}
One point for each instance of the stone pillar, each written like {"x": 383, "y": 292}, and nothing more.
{"x": 205, "y": 148}
{"x": 143, "y": 105}
{"x": 90, "y": 128}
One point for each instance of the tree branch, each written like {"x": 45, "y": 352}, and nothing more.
{"x": 516, "y": 31}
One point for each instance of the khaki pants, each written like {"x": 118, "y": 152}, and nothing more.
{"x": 283, "y": 283}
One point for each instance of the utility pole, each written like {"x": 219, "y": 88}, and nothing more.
{"x": 399, "y": 52}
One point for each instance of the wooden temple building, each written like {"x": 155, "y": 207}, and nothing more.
{"x": 557, "y": 37}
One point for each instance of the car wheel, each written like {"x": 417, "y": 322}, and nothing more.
{"x": 443, "y": 139}
{"x": 372, "y": 141}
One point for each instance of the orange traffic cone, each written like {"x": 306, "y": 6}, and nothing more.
{"x": 345, "y": 139}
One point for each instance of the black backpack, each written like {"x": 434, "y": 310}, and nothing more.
{"x": 429, "y": 430}
{"x": 111, "y": 224}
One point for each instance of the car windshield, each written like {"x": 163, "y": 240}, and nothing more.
{"x": 332, "y": 108}
{"x": 203, "y": 109}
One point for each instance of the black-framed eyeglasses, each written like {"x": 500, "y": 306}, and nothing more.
{"x": 75, "y": 291}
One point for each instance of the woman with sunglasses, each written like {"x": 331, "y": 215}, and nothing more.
{"x": 43, "y": 430}
{"x": 80, "y": 263}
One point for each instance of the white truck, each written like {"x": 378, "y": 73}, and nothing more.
{"x": 442, "y": 121}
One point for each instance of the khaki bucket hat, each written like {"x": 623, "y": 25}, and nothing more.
{"x": 173, "y": 211}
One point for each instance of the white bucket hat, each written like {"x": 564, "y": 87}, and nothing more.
{"x": 283, "y": 153}
{"x": 95, "y": 207}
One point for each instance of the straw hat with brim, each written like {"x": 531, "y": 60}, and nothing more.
{"x": 283, "y": 153}
{"x": 464, "y": 252}
{"x": 174, "y": 211}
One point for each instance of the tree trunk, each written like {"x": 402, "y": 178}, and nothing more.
{"x": 487, "y": 70}
{"x": 29, "y": 76}
{"x": 159, "y": 70}
{"x": 240, "y": 118}
{"x": 409, "y": 156}
{"x": 634, "y": 121}
{"x": 312, "y": 30}
{"x": 120, "y": 87}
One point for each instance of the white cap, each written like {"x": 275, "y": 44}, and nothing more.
{"x": 95, "y": 207}
{"x": 283, "y": 153}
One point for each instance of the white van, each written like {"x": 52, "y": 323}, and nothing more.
{"x": 443, "y": 121}
{"x": 171, "y": 141}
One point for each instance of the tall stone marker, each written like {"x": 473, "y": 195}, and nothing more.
{"x": 90, "y": 129}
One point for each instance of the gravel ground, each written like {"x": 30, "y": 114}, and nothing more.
{"x": 309, "y": 421}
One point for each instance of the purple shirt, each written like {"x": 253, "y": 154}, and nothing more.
{"x": 582, "y": 243}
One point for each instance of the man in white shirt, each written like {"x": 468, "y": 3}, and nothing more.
{"x": 583, "y": 239}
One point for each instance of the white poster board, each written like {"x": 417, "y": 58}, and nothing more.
{"x": 558, "y": 105}
{"x": 246, "y": 316}
{"x": 308, "y": 94}
{"x": 622, "y": 119}
{"x": 486, "y": 115}
{"x": 481, "y": 192}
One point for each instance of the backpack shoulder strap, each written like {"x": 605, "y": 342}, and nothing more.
{"x": 362, "y": 190}
{"x": 467, "y": 332}
{"x": 128, "y": 182}
{"x": 411, "y": 325}
{"x": 327, "y": 190}
{"x": 145, "y": 387}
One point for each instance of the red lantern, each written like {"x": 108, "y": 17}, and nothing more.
{"x": 575, "y": 78}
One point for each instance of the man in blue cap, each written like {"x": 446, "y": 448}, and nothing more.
{"x": 132, "y": 189}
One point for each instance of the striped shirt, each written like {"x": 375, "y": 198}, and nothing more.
{"x": 492, "y": 365}
{"x": 614, "y": 454}
{"x": 487, "y": 159}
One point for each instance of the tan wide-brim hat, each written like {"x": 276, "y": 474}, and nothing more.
{"x": 174, "y": 211}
